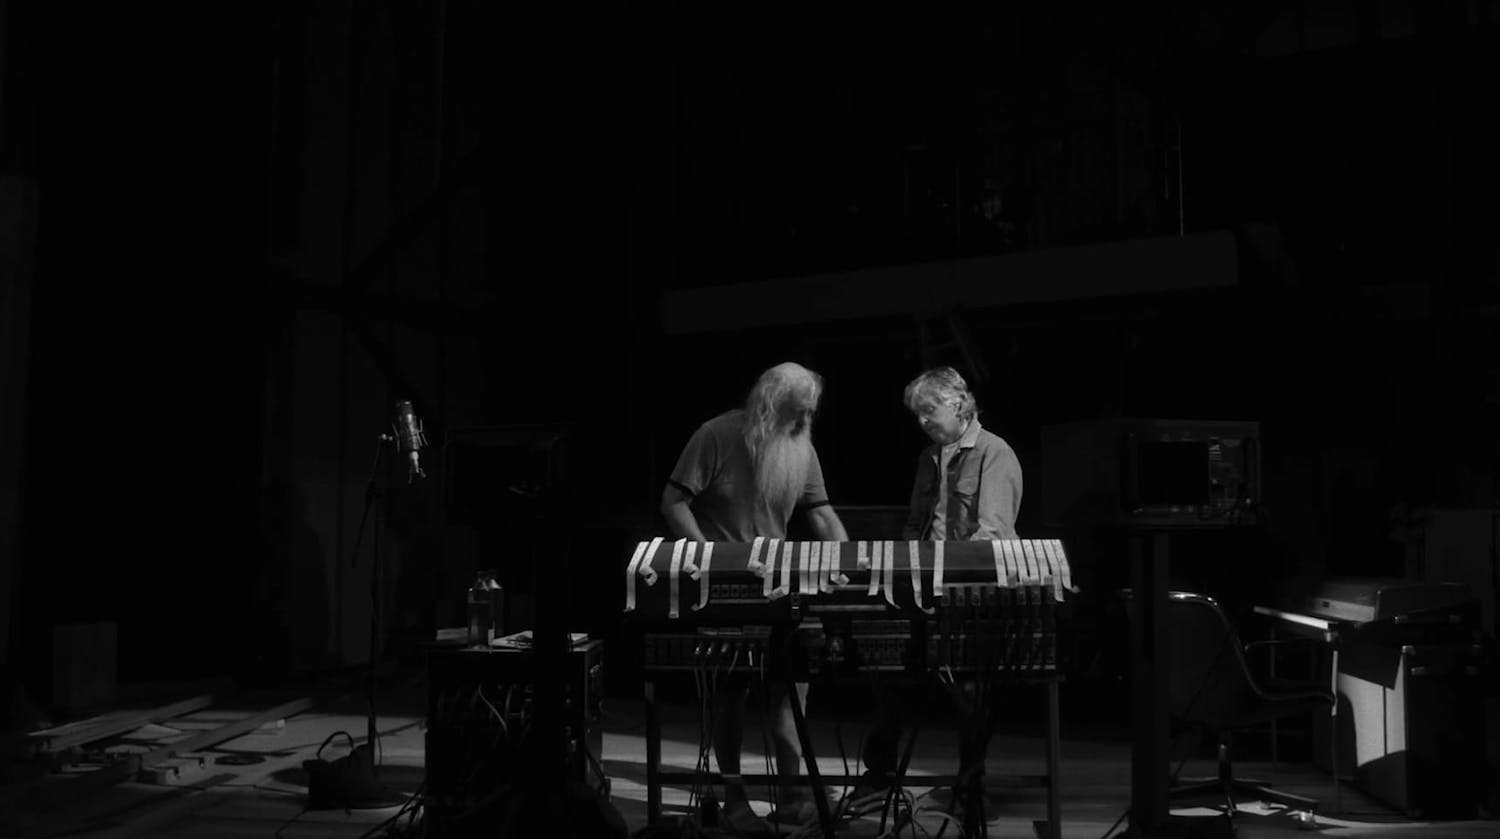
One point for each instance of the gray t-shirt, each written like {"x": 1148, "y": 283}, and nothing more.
{"x": 714, "y": 469}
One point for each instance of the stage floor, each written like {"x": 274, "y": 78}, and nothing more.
{"x": 261, "y": 788}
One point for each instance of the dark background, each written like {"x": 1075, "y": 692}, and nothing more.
{"x": 256, "y": 225}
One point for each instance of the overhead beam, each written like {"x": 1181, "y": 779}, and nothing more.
{"x": 385, "y": 361}
{"x": 429, "y": 314}
{"x": 407, "y": 229}
{"x": 1141, "y": 266}
{"x": 358, "y": 309}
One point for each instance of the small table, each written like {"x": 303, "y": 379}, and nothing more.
{"x": 456, "y": 667}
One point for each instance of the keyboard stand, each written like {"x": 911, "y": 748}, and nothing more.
{"x": 1051, "y": 828}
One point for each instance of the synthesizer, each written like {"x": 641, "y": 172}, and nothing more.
{"x": 868, "y": 605}
{"x": 1383, "y": 611}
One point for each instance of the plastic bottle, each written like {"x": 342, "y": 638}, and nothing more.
{"x": 481, "y": 620}
{"x": 498, "y": 628}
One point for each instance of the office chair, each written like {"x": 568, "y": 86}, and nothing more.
{"x": 1212, "y": 690}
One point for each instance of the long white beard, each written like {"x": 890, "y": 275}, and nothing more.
{"x": 781, "y": 469}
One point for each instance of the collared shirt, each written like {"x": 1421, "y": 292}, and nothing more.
{"x": 715, "y": 470}
{"x": 978, "y": 495}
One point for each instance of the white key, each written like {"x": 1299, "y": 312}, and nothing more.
{"x": 703, "y": 578}
{"x": 646, "y": 570}
{"x": 753, "y": 562}
{"x": 673, "y": 572}
{"x": 630, "y": 571}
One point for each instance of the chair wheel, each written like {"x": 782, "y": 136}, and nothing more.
{"x": 1306, "y": 819}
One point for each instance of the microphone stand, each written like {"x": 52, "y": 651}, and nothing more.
{"x": 373, "y": 499}
{"x": 354, "y": 780}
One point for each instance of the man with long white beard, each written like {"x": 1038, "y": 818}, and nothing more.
{"x": 741, "y": 475}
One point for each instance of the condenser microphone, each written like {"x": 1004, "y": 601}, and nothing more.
{"x": 409, "y": 439}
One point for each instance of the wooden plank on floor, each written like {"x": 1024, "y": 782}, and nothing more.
{"x": 209, "y": 739}
{"x": 183, "y": 769}
{"x": 61, "y": 738}
{"x": 48, "y": 793}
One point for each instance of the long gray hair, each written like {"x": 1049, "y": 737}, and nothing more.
{"x": 774, "y": 389}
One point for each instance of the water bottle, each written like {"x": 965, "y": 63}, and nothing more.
{"x": 497, "y": 606}
{"x": 481, "y": 626}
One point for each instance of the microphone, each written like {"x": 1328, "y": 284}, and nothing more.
{"x": 409, "y": 438}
